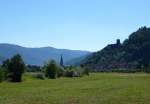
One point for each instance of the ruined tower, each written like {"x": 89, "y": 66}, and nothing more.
{"x": 118, "y": 42}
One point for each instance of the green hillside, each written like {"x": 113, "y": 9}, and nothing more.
{"x": 133, "y": 53}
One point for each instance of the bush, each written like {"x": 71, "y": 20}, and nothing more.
{"x": 86, "y": 71}
{"x": 1, "y": 75}
{"x": 69, "y": 73}
{"x": 39, "y": 76}
{"x": 51, "y": 69}
{"x": 73, "y": 72}
{"x": 60, "y": 72}
{"x": 79, "y": 72}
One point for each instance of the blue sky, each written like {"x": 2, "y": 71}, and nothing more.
{"x": 71, "y": 24}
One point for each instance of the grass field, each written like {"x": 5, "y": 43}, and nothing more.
{"x": 102, "y": 88}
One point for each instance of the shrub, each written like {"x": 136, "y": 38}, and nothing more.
{"x": 69, "y": 73}
{"x": 39, "y": 76}
{"x": 86, "y": 71}
{"x": 51, "y": 69}
{"x": 73, "y": 72}
{"x": 60, "y": 72}
{"x": 1, "y": 75}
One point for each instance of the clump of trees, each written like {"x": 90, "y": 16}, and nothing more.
{"x": 72, "y": 71}
{"x": 53, "y": 70}
{"x": 13, "y": 69}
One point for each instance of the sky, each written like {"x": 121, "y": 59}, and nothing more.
{"x": 71, "y": 24}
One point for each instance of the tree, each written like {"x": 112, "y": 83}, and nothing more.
{"x": 86, "y": 71}
{"x": 15, "y": 67}
{"x": 51, "y": 69}
{"x": 60, "y": 71}
{"x": 1, "y": 74}
{"x": 6, "y": 64}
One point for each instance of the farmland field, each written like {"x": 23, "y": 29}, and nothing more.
{"x": 100, "y": 88}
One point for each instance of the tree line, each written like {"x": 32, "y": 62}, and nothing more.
{"x": 13, "y": 69}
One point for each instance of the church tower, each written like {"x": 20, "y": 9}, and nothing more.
{"x": 61, "y": 61}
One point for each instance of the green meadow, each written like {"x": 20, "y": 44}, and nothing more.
{"x": 99, "y": 88}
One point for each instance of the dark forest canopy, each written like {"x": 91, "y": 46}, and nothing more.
{"x": 133, "y": 53}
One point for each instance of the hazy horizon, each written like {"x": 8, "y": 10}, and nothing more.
{"x": 70, "y": 24}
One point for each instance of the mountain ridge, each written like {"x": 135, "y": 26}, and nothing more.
{"x": 39, "y": 55}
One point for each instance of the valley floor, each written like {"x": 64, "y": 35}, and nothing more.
{"x": 100, "y": 88}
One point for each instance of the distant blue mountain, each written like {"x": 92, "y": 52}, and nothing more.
{"x": 2, "y": 59}
{"x": 77, "y": 61}
{"x": 37, "y": 56}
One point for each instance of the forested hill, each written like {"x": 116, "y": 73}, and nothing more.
{"x": 133, "y": 53}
